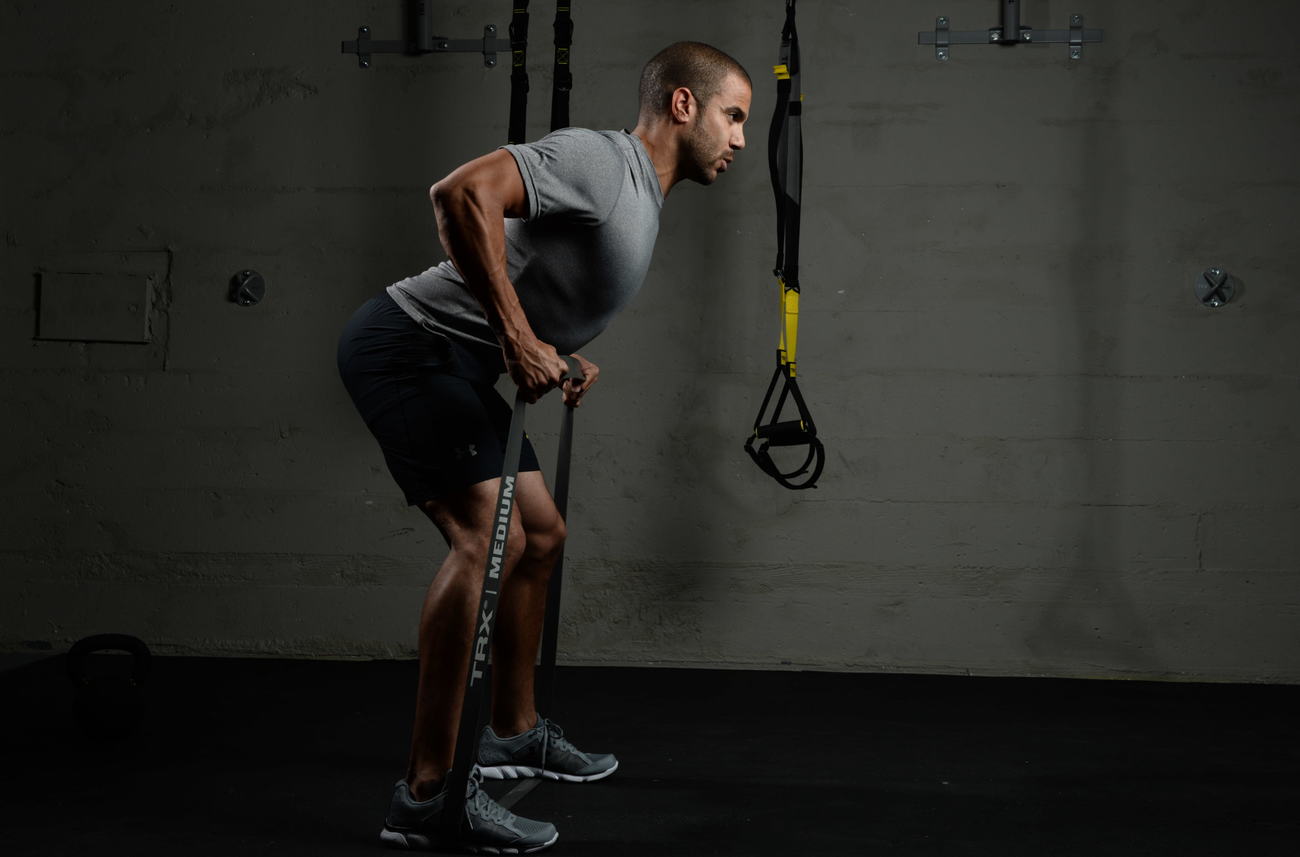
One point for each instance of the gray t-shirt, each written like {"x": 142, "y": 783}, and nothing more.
{"x": 579, "y": 256}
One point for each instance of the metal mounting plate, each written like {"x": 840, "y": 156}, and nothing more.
{"x": 489, "y": 46}
{"x": 942, "y": 37}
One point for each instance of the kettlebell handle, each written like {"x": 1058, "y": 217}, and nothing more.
{"x": 84, "y": 648}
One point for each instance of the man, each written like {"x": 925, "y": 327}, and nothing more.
{"x": 547, "y": 242}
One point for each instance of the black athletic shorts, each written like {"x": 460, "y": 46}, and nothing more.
{"x": 428, "y": 401}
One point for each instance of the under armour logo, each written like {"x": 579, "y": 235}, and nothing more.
{"x": 464, "y": 452}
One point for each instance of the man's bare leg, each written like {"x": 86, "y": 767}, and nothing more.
{"x": 521, "y": 610}
{"x": 447, "y": 619}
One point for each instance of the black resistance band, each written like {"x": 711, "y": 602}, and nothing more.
{"x": 475, "y": 708}
{"x": 545, "y": 695}
{"x": 474, "y": 711}
{"x": 785, "y": 162}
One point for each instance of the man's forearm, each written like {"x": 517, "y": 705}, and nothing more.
{"x": 472, "y": 231}
{"x": 471, "y": 226}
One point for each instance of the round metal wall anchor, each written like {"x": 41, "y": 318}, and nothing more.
{"x": 247, "y": 288}
{"x": 1216, "y": 287}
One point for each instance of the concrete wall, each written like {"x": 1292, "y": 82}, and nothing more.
{"x": 1045, "y": 456}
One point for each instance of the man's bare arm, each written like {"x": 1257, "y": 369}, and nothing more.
{"x": 471, "y": 205}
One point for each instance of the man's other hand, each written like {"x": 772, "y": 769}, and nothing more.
{"x": 573, "y": 391}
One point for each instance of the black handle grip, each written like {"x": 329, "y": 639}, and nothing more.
{"x": 789, "y": 433}
{"x": 816, "y": 459}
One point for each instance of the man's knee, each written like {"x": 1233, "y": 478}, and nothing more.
{"x": 497, "y": 548}
{"x": 475, "y": 533}
{"x": 544, "y": 543}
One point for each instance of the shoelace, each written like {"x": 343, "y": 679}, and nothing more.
{"x": 555, "y": 737}
{"x": 484, "y": 806}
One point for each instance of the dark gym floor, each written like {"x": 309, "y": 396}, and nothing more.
{"x": 247, "y": 757}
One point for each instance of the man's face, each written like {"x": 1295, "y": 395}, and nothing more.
{"x": 718, "y": 131}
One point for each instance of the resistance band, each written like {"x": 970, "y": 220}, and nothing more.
{"x": 785, "y": 161}
{"x": 562, "y": 85}
{"x": 474, "y": 710}
{"x": 473, "y": 715}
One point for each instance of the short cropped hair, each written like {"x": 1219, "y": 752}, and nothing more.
{"x": 699, "y": 67}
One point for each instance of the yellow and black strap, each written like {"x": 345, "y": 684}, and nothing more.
{"x": 785, "y": 162}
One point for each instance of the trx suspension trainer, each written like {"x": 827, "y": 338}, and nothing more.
{"x": 785, "y": 162}
{"x": 562, "y": 81}
{"x": 518, "y": 73}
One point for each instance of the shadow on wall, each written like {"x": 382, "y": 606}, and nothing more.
{"x": 704, "y": 257}
{"x": 1090, "y": 617}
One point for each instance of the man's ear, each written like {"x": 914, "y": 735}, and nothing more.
{"x": 683, "y": 104}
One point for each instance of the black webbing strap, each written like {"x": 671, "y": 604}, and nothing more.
{"x": 474, "y": 711}
{"x": 785, "y": 153}
{"x": 785, "y": 163}
{"x": 563, "y": 77}
{"x": 518, "y": 73}
{"x": 563, "y": 81}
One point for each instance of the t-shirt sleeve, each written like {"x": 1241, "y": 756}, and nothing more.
{"x": 573, "y": 172}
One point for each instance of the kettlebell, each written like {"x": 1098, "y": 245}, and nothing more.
{"x": 109, "y": 705}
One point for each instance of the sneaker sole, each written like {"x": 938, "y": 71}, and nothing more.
{"x": 516, "y": 772}
{"x": 420, "y": 842}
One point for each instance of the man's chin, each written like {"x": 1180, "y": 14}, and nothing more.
{"x": 706, "y": 178}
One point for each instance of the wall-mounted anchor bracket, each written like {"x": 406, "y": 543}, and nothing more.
{"x": 941, "y": 39}
{"x": 489, "y": 46}
{"x": 1216, "y": 287}
{"x": 1010, "y": 33}
{"x": 1076, "y": 37}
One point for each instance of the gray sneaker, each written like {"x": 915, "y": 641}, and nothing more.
{"x": 542, "y": 751}
{"x": 491, "y": 828}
